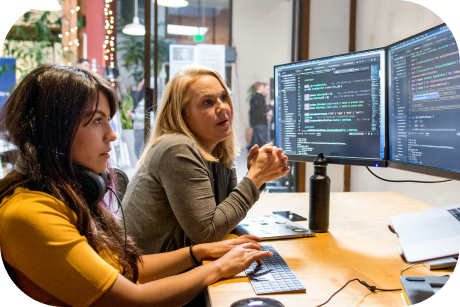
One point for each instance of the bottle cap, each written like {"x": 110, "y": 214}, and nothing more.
{"x": 320, "y": 160}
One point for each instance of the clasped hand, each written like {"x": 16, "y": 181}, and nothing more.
{"x": 266, "y": 164}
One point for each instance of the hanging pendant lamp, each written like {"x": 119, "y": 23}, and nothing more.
{"x": 172, "y": 3}
{"x": 135, "y": 28}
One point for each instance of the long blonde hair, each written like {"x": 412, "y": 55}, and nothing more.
{"x": 170, "y": 118}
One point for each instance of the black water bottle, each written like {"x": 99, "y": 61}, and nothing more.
{"x": 320, "y": 187}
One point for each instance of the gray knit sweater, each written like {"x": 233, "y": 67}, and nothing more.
{"x": 177, "y": 198}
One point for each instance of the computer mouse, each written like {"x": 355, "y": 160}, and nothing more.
{"x": 257, "y": 301}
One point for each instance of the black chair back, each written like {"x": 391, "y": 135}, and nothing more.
{"x": 121, "y": 181}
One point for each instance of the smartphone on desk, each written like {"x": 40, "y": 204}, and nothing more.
{"x": 290, "y": 215}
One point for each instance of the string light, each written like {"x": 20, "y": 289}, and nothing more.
{"x": 109, "y": 41}
{"x": 72, "y": 30}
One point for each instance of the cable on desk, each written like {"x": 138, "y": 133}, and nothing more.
{"x": 407, "y": 267}
{"x": 365, "y": 284}
{"x": 416, "y": 181}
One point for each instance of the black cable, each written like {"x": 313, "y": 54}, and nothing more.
{"x": 365, "y": 284}
{"x": 122, "y": 213}
{"x": 416, "y": 181}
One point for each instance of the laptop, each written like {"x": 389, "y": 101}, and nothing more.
{"x": 428, "y": 234}
{"x": 272, "y": 227}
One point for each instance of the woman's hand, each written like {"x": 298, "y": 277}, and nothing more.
{"x": 240, "y": 258}
{"x": 267, "y": 147}
{"x": 268, "y": 163}
{"x": 218, "y": 249}
{"x": 254, "y": 150}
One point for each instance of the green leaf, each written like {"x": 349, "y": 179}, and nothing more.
{"x": 26, "y": 16}
{"x": 126, "y": 104}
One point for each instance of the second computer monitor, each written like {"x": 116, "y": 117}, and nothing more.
{"x": 424, "y": 104}
{"x": 334, "y": 106}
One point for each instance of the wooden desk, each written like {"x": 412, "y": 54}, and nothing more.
{"x": 358, "y": 245}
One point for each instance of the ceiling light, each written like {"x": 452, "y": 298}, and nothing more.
{"x": 172, "y": 3}
{"x": 186, "y": 30}
{"x": 135, "y": 28}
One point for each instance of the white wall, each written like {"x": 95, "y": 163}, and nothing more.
{"x": 380, "y": 23}
{"x": 262, "y": 31}
{"x": 329, "y": 27}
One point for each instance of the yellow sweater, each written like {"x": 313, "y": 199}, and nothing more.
{"x": 46, "y": 256}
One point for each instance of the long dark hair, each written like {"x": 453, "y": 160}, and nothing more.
{"x": 41, "y": 118}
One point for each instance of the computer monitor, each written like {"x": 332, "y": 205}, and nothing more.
{"x": 335, "y": 106}
{"x": 424, "y": 104}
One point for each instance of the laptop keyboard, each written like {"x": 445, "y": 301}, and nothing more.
{"x": 455, "y": 213}
{"x": 274, "y": 276}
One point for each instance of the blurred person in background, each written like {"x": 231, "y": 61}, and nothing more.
{"x": 258, "y": 115}
{"x": 83, "y": 63}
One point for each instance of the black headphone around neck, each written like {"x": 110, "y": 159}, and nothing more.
{"x": 93, "y": 185}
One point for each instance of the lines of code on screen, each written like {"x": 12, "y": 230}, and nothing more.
{"x": 333, "y": 106}
{"x": 425, "y": 100}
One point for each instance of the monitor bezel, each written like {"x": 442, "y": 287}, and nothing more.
{"x": 376, "y": 162}
{"x": 425, "y": 169}
{"x": 412, "y": 167}
{"x": 415, "y": 35}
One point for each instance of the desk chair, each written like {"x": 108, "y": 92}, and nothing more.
{"x": 121, "y": 180}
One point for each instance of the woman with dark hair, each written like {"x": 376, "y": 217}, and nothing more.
{"x": 59, "y": 245}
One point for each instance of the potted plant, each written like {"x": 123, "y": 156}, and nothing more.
{"x": 33, "y": 42}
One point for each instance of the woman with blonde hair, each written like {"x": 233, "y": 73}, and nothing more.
{"x": 185, "y": 191}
